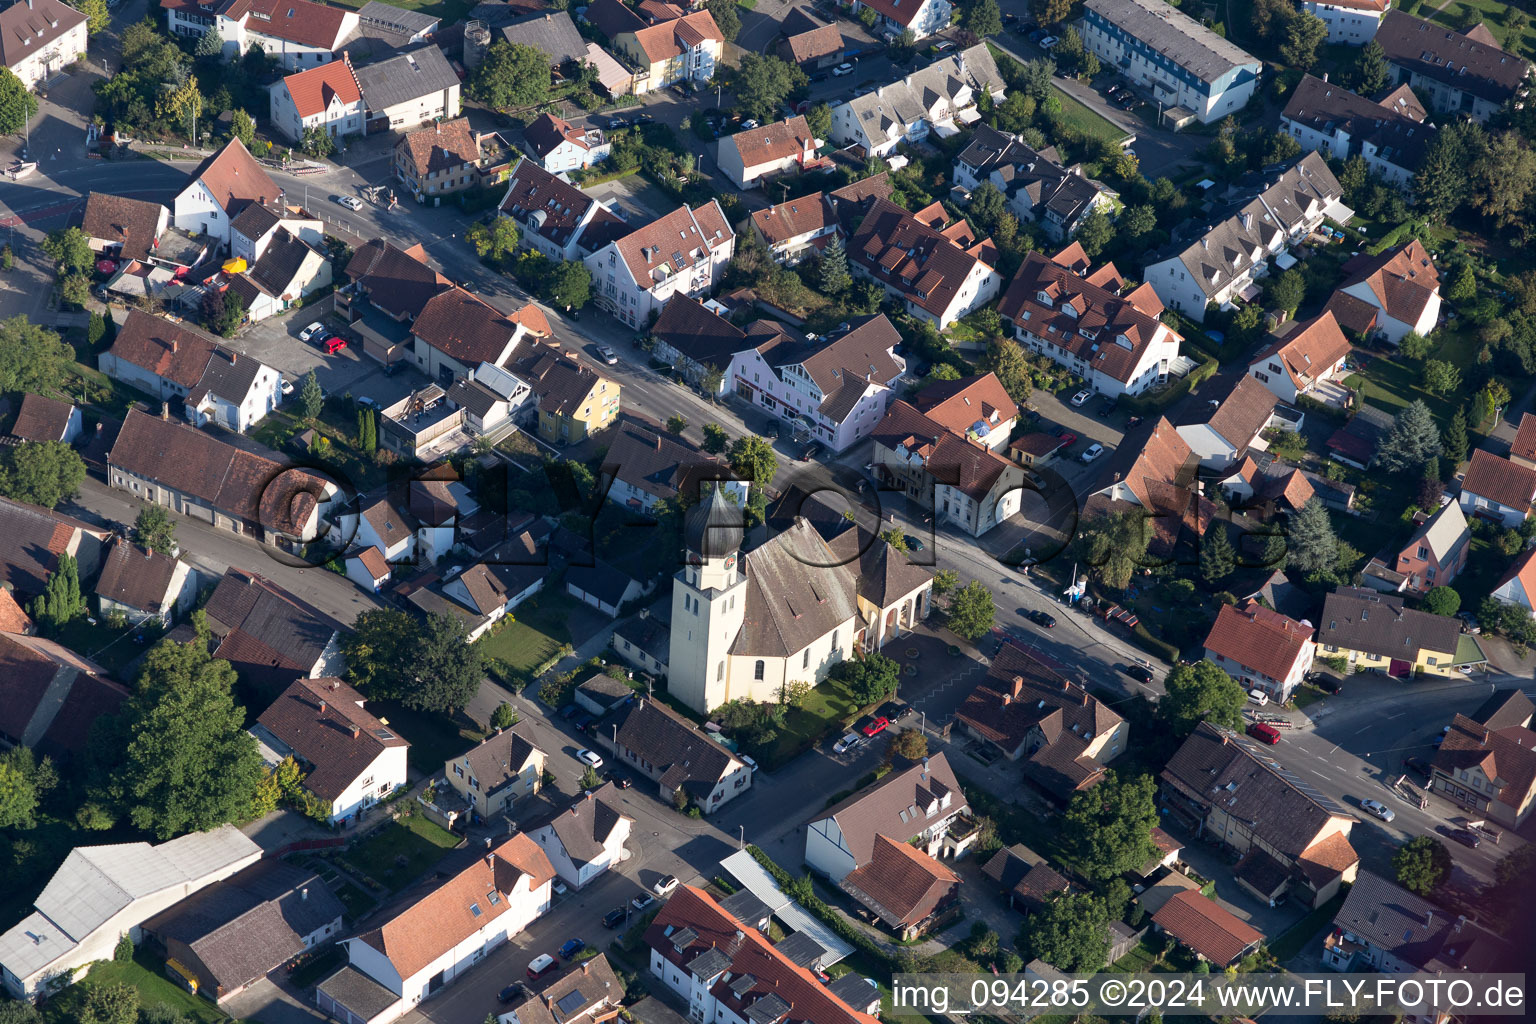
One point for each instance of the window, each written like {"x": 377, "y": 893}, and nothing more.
{"x": 758, "y": 670}
{"x": 458, "y": 771}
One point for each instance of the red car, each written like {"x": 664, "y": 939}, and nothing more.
{"x": 874, "y": 726}
{"x": 333, "y": 344}
{"x": 1266, "y": 733}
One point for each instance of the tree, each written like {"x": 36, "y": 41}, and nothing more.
{"x": 32, "y": 358}
{"x": 570, "y": 287}
{"x": 123, "y": 952}
{"x": 727, "y": 20}
{"x": 945, "y": 581}
{"x": 511, "y": 75}
{"x": 1442, "y": 601}
{"x": 12, "y": 1012}
{"x": 70, "y": 249}
{"x": 1006, "y": 360}
{"x": 752, "y": 458}
{"x": 1371, "y": 72}
{"x": 241, "y": 125}
{"x": 1441, "y": 182}
{"x": 18, "y": 789}
{"x": 317, "y": 142}
{"x": 61, "y": 601}
{"x": 795, "y": 693}
{"x": 375, "y": 648}
{"x": 1441, "y": 377}
{"x": 868, "y": 680}
{"x": 818, "y": 119}
{"x": 117, "y": 1003}
{"x": 763, "y": 84}
{"x": 715, "y": 438}
{"x": 1421, "y": 864}
{"x": 17, "y": 104}
{"x": 1413, "y": 346}
{"x": 1412, "y": 440}
{"x": 1095, "y": 232}
{"x": 1504, "y": 177}
{"x": 494, "y": 242}
{"x": 154, "y": 529}
{"x": 1071, "y": 933}
{"x": 908, "y": 743}
{"x": 98, "y": 17}
{"x": 1109, "y": 827}
{"x": 442, "y": 670}
{"x": 42, "y": 472}
{"x": 1453, "y": 443}
{"x": 1287, "y": 291}
{"x": 1216, "y": 555}
{"x": 590, "y": 780}
{"x": 1304, "y": 33}
{"x": 311, "y": 395}
{"x": 1202, "y": 692}
{"x": 895, "y": 538}
{"x": 1053, "y": 12}
{"x": 1310, "y": 542}
{"x": 835, "y": 278}
{"x": 1113, "y": 547}
{"x": 677, "y": 423}
{"x": 971, "y": 611}
{"x": 984, "y": 18}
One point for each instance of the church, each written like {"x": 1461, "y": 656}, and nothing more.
{"x": 746, "y": 624}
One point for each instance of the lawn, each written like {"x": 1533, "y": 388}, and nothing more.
{"x": 434, "y": 737}
{"x": 1495, "y": 14}
{"x": 1086, "y": 122}
{"x": 344, "y": 462}
{"x": 827, "y": 708}
{"x": 400, "y": 852}
{"x": 529, "y": 637}
{"x": 1299, "y": 935}
{"x": 1393, "y": 383}
{"x": 146, "y": 975}
{"x": 112, "y": 649}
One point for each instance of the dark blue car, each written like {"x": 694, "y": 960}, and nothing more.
{"x": 571, "y": 948}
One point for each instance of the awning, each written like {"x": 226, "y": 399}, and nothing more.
{"x": 945, "y": 129}
{"x": 1285, "y": 261}
{"x": 1251, "y": 292}
{"x": 1338, "y": 212}
{"x": 970, "y": 115}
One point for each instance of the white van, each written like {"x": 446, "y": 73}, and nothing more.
{"x": 1259, "y": 697}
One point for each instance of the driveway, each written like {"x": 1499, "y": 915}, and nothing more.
{"x": 639, "y": 200}
{"x": 275, "y": 341}
{"x": 270, "y": 1003}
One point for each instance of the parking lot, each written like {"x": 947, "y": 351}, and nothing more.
{"x": 639, "y": 200}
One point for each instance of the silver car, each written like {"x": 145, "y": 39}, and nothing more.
{"x": 1377, "y": 810}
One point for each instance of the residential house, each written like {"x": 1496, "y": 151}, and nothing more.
{"x": 679, "y": 757}
{"x": 613, "y": 17}
{"x": 936, "y": 279}
{"x": 367, "y": 568}
{"x": 1523, "y": 449}
{"x": 1262, "y": 649}
{"x": 646, "y": 465}
{"x": 682, "y": 253}
{"x": 552, "y": 33}
{"x": 325, "y": 97}
{"x": 1354, "y": 444}
{"x": 685, "y": 50}
{"x": 448, "y": 157}
{"x": 1222, "y": 434}
{"x": 555, "y": 217}
{"x": 489, "y": 589}
{"x": 414, "y": 88}
{"x": 39, "y": 38}
{"x": 1328, "y": 117}
{"x": 588, "y": 994}
{"x": 1497, "y": 489}
{"x": 145, "y": 586}
{"x": 288, "y": 271}
{"x": 1026, "y": 710}
{"x": 1384, "y": 927}
{"x": 835, "y": 391}
{"x": 1037, "y": 449}
{"x": 417, "y": 950}
{"x": 557, "y": 145}
{"x": 1097, "y": 326}
{"x": 746, "y": 624}
{"x": 49, "y": 695}
{"x": 46, "y": 419}
{"x": 756, "y": 156}
{"x": 270, "y": 636}
{"x": 976, "y": 408}
{"x": 1431, "y": 558}
{"x": 614, "y": 77}
{"x": 644, "y": 639}
{"x": 1263, "y": 486}
{"x": 922, "y": 802}
{"x": 228, "y": 936}
{"x": 492, "y": 398}
{"x": 728, "y": 968}
{"x": 1223, "y": 262}
{"x": 223, "y": 185}
{"x": 389, "y": 287}
{"x": 1178, "y": 60}
{"x": 573, "y": 400}
{"x": 1304, "y": 360}
{"x": 795, "y": 228}
{"x": 494, "y": 776}
{"x": 31, "y": 540}
{"x": 294, "y": 33}
{"x": 101, "y": 893}
{"x": 1402, "y": 284}
{"x": 701, "y": 343}
{"x": 1375, "y": 631}
{"x": 1207, "y": 929}
{"x": 1518, "y": 587}
{"x": 393, "y": 28}
{"x": 587, "y": 838}
{"x": 809, "y": 42}
{"x": 600, "y": 693}
{"x": 173, "y": 361}
{"x": 911, "y": 893}
{"x": 1458, "y": 73}
{"x": 1486, "y": 762}
{"x": 1163, "y": 481}
{"x": 1350, "y": 22}
{"x": 456, "y": 331}
{"x": 1025, "y": 878}
{"x": 933, "y": 98}
{"x": 922, "y": 18}
{"x": 1035, "y": 184}
{"x": 121, "y": 228}
{"x": 350, "y": 759}
{"x": 256, "y": 226}
{"x": 1291, "y": 838}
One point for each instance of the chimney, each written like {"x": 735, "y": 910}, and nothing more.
{"x": 173, "y": 346}
{"x": 1325, "y": 76}
{"x": 355, "y": 731}
{"x": 586, "y": 967}
{"x": 1018, "y": 686}
{"x": 1429, "y": 918}
{"x": 490, "y": 861}
{"x": 322, "y": 707}
{"x": 924, "y": 773}
{"x": 165, "y": 410}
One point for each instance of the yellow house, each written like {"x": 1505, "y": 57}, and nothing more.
{"x": 684, "y": 49}
{"x": 573, "y": 400}
{"x": 1373, "y": 631}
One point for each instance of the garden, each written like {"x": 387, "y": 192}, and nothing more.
{"x": 400, "y": 852}
{"x": 532, "y": 635}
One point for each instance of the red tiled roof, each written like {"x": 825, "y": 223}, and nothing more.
{"x": 132, "y": 224}
{"x": 1259, "y": 638}
{"x": 173, "y": 351}
{"x": 893, "y": 10}
{"x": 1328, "y": 858}
{"x": 903, "y": 882}
{"x": 957, "y": 405}
{"x": 42, "y": 419}
{"x": 778, "y": 141}
{"x": 671, "y": 241}
{"x": 233, "y": 177}
{"x": 1524, "y": 446}
{"x": 314, "y": 90}
{"x": 1161, "y": 462}
{"x": 670, "y": 38}
{"x": 464, "y": 327}
{"x": 1206, "y": 928}
{"x": 442, "y": 146}
{"x": 815, "y": 44}
{"x": 1308, "y": 351}
{"x": 900, "y": 250}
{"x": 324, "y": 723}
{"x": 12, "y": 618}
{"x": 778, "y": 224}
{"x": 1403, "y": 279}
{"x": 298, "y": 21}
{"x": 1507, "y": 754}
{"x": 1508, "y": 483}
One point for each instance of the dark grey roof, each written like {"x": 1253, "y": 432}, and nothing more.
{"x": 1503, "y": 709}
{"x": 1175, "y": 35}
{"x": 604, "y": 689}
{"x": 474, "y": 396}
{"x": 713, "y": 528}
{"x": 583, "y": 827}
{"x": 852, "y": 989}
{"x": 799, "y": 948}
{"x": 686, "y": 756}
{"x": 255, "y": 220}
{"x": 1360, "y": 619}
{"x": 602, "y": 580}
{"x": 649, "y": 631}
{"x": 498, "y": 761}
{"x": 400, "y": 79}
{"x": 554, "y": 33}
{"x": 768, "y": 1009}
{"x": 709, "y": 963}
{"x": 395, "y": 20}
{"x": 357, "y": 992}
{"x": 228, "y": 375}
{"x": 1413, "y": 929}
{"x": 281, "y": 260}
{"x": 745, "y": 907}
{"x": 1446, "y": 56}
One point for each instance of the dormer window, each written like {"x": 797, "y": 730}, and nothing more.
{"x": 1045, "y": 300}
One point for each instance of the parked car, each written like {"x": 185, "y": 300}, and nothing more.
{"x": 620, "y": 781}
{"x": 1377, "y": 809}
{"x": 607, "y": 355}
{"x": 642, "y": 119}
{"x": 615, "y": 123}
{"x": 571, "y": 948}
{"x": 1329, "y": 684}
{"x": 569, "y": 711}
{"x": 1466, "y": 837}
{"x": 913, "y": 543}
{"x": 1039, "y": 618}
{"x": 664, "y": 885}
{"x": 511, "y": 992}
{"x": 1140, "y": 673}
{"x": 313, "y": 330}
{"x": 847, "y": 743}
{"x": 1419, "y": 765}
{"x": 1258, "y": 697}
{"x": 333, "y": 344}
{"x": 873, "y": 725}
{"x": 642, "y": 902}
{"x": 590, "y": 758}
{"x": 1265, "y": 733}
{"x": 558, "y": 887}
{"x": 811, "y": 451}
{"x": 1081, "y": 398}
{"x": 1048, "y": 42}
{"x": 841, "y": 70}
{"x": 894, "y": 710}
{"x": 541, "y": 965}
{"x": 615, "y": 917}
{"x": 1092, "y": 452}
{"x": 749, "y": 124}
{"x": 286, "y": 386}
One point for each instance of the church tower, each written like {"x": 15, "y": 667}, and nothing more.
{"x": 708, "y": 604}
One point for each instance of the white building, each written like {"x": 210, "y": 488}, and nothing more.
{"x": 1497, "y": 489}
{"x": 919, "y": 803}
{"x": 1309, "y": 356}
{"x": 1183, "y": 63}
{"x": 673, "y": 50}
{"x": 1224, "y": 433}
{"x": 351, "y": 760}
{"x": 440, "y": 936}
{"x": 294, "y": 33}
{"x": 554, "y": 217}
{"x": 325, "y": 97}
{"x": 38, "y": 38}
{"x": 288, "y": 271}
{"x": 491, "y": 590}
{"x": 587, "y": 838}
{"x": 143, "y": 585}
{"x": 923, "y": 17}
{"x": 1390, "y": 135}
{"x": 1261, "y": 649}
{"x": 557, "y": 145}
{"x": 645, "y": 466}
{"x": 1403, "y": 285}
{"x": 941, "y": 97}
{"x": 254, "y": 227}
{"x": 684, "y": 253}
{"x": 101, "y": 893}
{"x": 677, "y": 755}
{"x": 220, "y": 188}
{"x": 1350, "y": 22}
{"x": 1038, "y": 188}
{"x": 47, "y": 419}
{"x": 751, "y": 157}
{"x": 407, "y": 91}
{"x": 1518, "y": 587}
{"x": 936, "y": 277}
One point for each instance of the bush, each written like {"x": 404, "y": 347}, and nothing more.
{"x": 1148, "y": 642}
{"x": 124, "y": 951}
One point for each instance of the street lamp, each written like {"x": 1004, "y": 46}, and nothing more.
{"x": 741, "y": 843}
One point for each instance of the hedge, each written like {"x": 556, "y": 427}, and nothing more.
{"x": 814, "y": 906}
{"x": 1162, "y": 648}
{"x": 1147, "y": 405}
